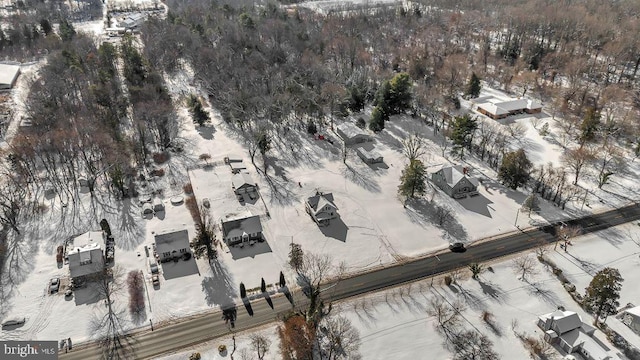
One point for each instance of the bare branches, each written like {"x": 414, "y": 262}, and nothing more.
{"x": 524, "y": 265}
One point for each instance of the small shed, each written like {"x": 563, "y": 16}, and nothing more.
{"x": 237, "y": 167}
{"x": 147, "y": 208}
{"x": 369, "y": 156}
{"x": 158, "y": 205}
{"x": 8, "y": 75}
{"x": 351, "y": 134}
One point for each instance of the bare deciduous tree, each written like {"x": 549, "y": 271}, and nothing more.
{"x": 448, "y": 318}
{"x": 413, "y": 147}
{"x": 524, "y": 265}
{"x": 338, "y": 338}
{"x": 471, "y": 345}
{"x": 260, "y": 345}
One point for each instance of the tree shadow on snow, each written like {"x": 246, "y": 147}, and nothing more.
{"x": 218, "y": 288}
{"x": 360, "y": 178}
{"x": 206, "y": 131}
{"x": 434, "y": 213}
{"x": 493, "y": 291}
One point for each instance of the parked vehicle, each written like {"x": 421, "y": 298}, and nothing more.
{"x": 154, "y": 267}
{"x": 54, "y": 285}
{"x": 13, "y": 322}
{"x": 156, "y": 280}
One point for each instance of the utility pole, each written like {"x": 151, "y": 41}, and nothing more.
{"x": 516, "y": 222}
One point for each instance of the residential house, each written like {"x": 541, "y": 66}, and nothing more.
{"x": 8, "y": 75}
{"x": 566, "y": 329}
{"x": 351, "y": 134}
{"x": 369, "y": 156}
{"x": 631, "y": 318}
{"x": 321, "y": 208}
{"x": 237, "y": 166}
{"x": 132, "y": 21}
{"x": 243, "y": 184}
{"x": 241, "y": 230}
{"x": 171, "y": 245}
{"x": 502, "y": 109}
{"x": 453, "y": 180}
{"x": 86, "y": 256}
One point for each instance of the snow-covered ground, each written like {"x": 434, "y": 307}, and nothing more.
{"x": 374, "y": 228}
{"x": 395, "y": 324}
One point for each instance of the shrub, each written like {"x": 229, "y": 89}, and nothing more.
{"x": 188, "y": 189}
{"x": 448, "y": 280}
{"x": 312, "y": 129}
{"x": 361, "y": 123}
{"x": 136, "y": 292}
{"x": 157, "y": 172}
{"x": 195, "y": 356}
{"x": 59, "y": 257}
{"x": 161, "y": 157}
{"x": 487, "y": 316}
{"x": 192, "y": 206}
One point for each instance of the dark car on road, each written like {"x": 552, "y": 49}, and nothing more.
{"x": 457, "y": 247}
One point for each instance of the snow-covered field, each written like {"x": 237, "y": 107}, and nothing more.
{"x": 374, "y": 229}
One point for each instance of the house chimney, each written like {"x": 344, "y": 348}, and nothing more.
{"x": 465, "y": 170}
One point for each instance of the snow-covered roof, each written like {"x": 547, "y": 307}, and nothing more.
{"x": 241, "y": 226}
{"x": 319, "y": 200}
{"x": 242, "y": 179}
{"x": 453, "y": 175}
{"x": 369, "y": 154}
{"x": 577, "y": 337}
{"x": 634, "y": 311}
{"x": 237, "y": 165}
{"x": 350, "y": 131}
{"x": 505, "y": 107}
{"x": 8, "y": 74}
{"x": 171, "y": 240}
{"x": 564, "y": 321}
{"x": 89, "y": 240}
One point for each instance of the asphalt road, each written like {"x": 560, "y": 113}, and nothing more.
{"x": 186, "y": 332}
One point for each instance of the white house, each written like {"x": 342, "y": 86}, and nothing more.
{"x": 566, "y": 329}
{"x": 453, "y": 180}
{"x": 86, "y": 255}
{"x": 172, "y": 244}
{"x": 631, "y": 318}
{"x": 8, "y": 75}
{"x": 321, "y": 208}
{"x": 351, "y": 134}
{"x": 132, "y": 21}
{"x": 241, "y": 230}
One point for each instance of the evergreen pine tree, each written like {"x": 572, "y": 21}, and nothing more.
{"x": 473, "y": 87}
{"x": 412, "y": 181}
{"x": 603, "y": 293}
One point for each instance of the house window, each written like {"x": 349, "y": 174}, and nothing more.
{"x": 165, "y": 254}
{"x": 182, "y": 251}
{"x": 86, "y": 262}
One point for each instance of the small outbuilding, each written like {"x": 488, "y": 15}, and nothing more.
{"x": 351, "y": 134}
{"x": 158, "y": 205}
{"x": 453, "y": 180}
{"x": 237, "y": 166}
{"x": 369, "y": 156}
{"x": 321, "y": 208}
{"x": 243, "y": 184}
{"x": 241, "y": 230}
{"x": 8, "y": 75}
{"x": 147, "y": 208}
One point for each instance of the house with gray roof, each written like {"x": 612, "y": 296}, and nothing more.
{"x": 172, "y": 245}
{"x": 240, "y": 230}
{"x": 502, "y": 109}
{"x": 243, "y": 183}
{"x": 455, "y": 182}
{"x": 631, "y": 318}
{"x": 566, "y": 329}
{"x": 321, "y": 208}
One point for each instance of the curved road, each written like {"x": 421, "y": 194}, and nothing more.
{"x": 191, "y": 331}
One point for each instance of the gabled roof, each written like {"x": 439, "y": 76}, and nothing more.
{"x": 242, "y": 179}
{"x": 504, "y": 107}
{"x": 634, "y": 311}
{"x": 564, "y": 321}
{"x": 349, "y": 130}
{"x": 454, "y": 174}
{"x": 369, "y": 154}
{"x": 318, "y": 201}
{"x": 172, "y": 240}
{"x": 245, "y": 225}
